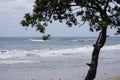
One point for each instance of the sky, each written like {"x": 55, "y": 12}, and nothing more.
{"x": 12, "y": 12}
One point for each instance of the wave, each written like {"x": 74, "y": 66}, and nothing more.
{"x": 36, "y": 40}
{"x": 15, "y": 61}
{"x": 4, "y": 54}
{"x": 42, "y": 53}
{"x": 77, "y": 40}
{"x": 112, "y": 47}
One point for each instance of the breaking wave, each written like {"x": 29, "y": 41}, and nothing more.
{"x": 4, "y": 54}
{"x": 36, "y": 40}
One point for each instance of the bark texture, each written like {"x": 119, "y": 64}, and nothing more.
{"x": 95, "y": 54}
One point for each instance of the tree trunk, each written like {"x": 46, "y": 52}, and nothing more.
{"x": 95, "y": 54}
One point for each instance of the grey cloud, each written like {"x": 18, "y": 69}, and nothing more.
{"x": 15, "y": 5}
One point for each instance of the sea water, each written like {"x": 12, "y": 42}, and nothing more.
{"x": 27, "y": 50}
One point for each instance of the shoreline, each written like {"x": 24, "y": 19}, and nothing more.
{"x": 53, "y": 71}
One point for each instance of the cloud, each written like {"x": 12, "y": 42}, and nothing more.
{"x": 11, "y": 13}
{"x": 16, "y": 5}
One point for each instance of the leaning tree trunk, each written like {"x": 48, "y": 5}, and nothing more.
{"x": 95, "y": 54}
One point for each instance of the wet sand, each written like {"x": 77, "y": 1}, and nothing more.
{"x": 111, "y": 78}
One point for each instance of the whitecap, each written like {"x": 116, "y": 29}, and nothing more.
{"x": 112, "y": 47}
{"x": 36, "y": 40}
{"x": 85, "y": 50}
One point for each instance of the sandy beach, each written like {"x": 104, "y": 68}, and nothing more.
{"x": 56, "y": 71}
{"x": 111, "y": 78}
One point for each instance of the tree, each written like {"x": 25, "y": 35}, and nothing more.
{"x": 100, "y": 14}
{"x": 46, "y": 37}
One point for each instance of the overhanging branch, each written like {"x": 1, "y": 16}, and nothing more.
{"x": 106, "y": 4}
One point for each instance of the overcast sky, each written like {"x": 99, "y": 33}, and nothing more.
{"x": 12, "y": 12}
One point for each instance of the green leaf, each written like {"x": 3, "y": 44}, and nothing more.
{"x": 40, "y": 28}
{"x": 46, "y": 37}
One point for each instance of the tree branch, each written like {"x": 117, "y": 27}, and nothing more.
{"x": 82, "y": 23}
{"x": 106, "y": 5}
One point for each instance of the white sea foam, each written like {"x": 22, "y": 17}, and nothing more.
{"x": 112, "y": 47}
{"x": 36, "y": 40}
{"x": 51, "y": 52}
{"x": 75, "y": 40}
{"x": 43, "y": 53}
{"x": 25, "y": 56}
{"x": 15, "y": 61}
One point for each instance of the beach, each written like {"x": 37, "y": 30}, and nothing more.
{"x": 56, "y": 59}
{"x": 112, "y": 78}
{"x": 59, "y": 71}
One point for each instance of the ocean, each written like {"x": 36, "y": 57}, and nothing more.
{"x": 29, "y": 50}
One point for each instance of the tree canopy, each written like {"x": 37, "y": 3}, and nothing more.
{"x": 98, "y": 13}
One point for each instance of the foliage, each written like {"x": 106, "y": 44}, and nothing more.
{"x": 46, "y": 37}
{"x": 99, "y": 13}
